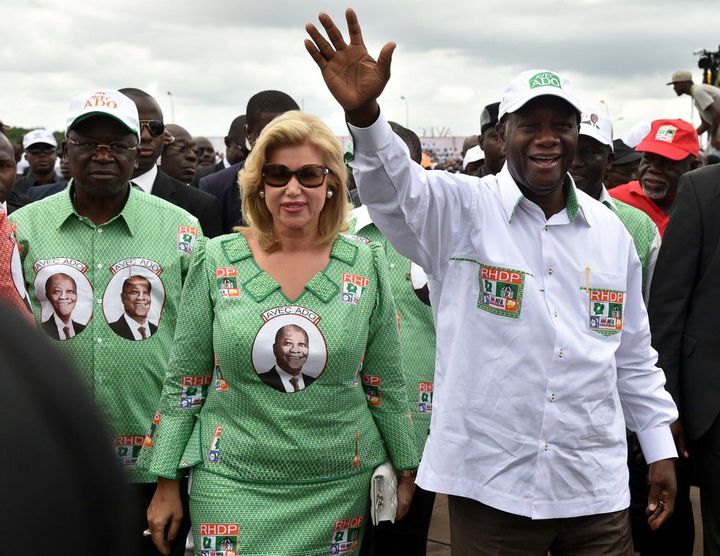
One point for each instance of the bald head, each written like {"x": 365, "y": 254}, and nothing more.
{"x": 179, "y": 159}
{"x": 235, "y": 148}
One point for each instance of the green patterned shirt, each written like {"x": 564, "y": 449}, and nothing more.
{"x": 98, "y": 290}
{"x": 643, "y": 231}
{"x": 229, "y": 403}
{"x": 417, "y": 329}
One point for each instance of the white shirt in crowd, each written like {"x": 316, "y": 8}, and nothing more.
{"x": 146, "y": 180}
{"x": 543, "y": 344}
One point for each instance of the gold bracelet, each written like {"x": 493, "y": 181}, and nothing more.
{"x": 407, "y": 473}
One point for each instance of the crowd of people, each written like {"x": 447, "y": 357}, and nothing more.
{"x": 261, "y": 331}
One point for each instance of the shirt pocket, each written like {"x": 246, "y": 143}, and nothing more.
{"x": 501, "y": 291}
{"x": 602, "y": 302}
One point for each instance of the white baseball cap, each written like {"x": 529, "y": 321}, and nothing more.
{"x": 473, "y": 154}
{"x": 39, "y": 136}
{"x": 106, "y": 102}
{"x": 638, "y": 132}
{"x": 531, "y": 84}
{"x": 597, "y": 125}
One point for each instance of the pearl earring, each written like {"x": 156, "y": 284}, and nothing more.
{"x": 261, "y": 194}
{"x": 329, "y": 194}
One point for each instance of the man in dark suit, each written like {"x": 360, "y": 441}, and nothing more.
{"x": 156, "y": 182}
{"x": 236, "y": 150}
{"x": 61, "y": 292}
{"x": 262, "y": 108}
{"x": 205, "y": 153}
{"x": 291, "y": 350}
{"x": 136, "y": 298}
{"x": 683, "y": 310}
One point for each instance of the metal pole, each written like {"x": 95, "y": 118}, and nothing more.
{"x": 407, "y": 112}
{"x": 172, "y": 107}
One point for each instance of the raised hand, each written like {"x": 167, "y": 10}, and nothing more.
{"x": 353, "y": 77}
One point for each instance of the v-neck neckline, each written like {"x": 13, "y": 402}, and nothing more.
{"x": 262, "y": 284}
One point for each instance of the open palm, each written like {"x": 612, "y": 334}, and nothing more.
{"x": 353, "y": 77}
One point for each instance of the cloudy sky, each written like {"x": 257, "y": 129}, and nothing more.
{"x": 453, "y": 56}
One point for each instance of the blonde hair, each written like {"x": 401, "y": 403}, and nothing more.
{"x": 290, "y": 129}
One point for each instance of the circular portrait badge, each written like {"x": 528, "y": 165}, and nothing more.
{"x": 65, "y": 296}
{"x": 289, "y": 351}
{"x": 134, "y": 298}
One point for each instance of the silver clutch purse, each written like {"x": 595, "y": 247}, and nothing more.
{"x": 383, "y": 494}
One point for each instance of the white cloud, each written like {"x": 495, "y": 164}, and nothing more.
{"x": 453, "y": 57}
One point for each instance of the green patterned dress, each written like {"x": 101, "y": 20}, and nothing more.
{"x": 280, "y": 467}
{"x": 415, "y": 320}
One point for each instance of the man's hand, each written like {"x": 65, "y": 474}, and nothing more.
{"x": 678, "y": 434}
{"x": 353, "y": 77}
{"x": 405, "y": 491}
{"x": 663, "y": 488}
{"x": 165, "y": 513}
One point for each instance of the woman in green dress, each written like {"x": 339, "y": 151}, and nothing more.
{"x": 285, "y": 387}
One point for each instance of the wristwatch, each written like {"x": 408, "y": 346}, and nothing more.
{"x": 407, "y": 473}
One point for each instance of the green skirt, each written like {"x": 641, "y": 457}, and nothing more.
{"x": 230, "y": 517}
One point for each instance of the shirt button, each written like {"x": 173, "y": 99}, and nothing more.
{"x": 552, "y": 397}
{"x": 561, "y": 353}
{"x": 99, "y": 340}
{"x": 99, "y": 230}
{"x": 555, "y": 313}
{"x": 546, "y": 228}
{"x": 550, "y": 270}
{"x": 546, "y": 446}
{"x": 100, "y": 265}
{"x": 392, "y": 265}
{"x": 99, "y": 301}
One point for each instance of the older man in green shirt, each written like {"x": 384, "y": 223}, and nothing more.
{"x": 102, "y": 233}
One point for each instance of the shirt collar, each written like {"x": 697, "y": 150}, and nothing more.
{"x": 66, "y": 209}
{"x": 146, "y": 181}
{"x": 511, "y": 196}
{"x": 606, "y": 200}
{"x": 362, "y": 218}
{"x": 225, "y": 162}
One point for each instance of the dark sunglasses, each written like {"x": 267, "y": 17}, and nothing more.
{"x": 47, "y": 151}
{"x": 310, "y": 175}
{"x": 155, "y": 127}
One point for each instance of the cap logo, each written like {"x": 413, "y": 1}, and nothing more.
{"x": 594, "y": 118}
{"x": 100, "y": 100}
{"x": 545, "y": 79}
{"x": 666, "y": 133}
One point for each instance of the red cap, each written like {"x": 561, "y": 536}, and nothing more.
{"x": 673, "y": 139}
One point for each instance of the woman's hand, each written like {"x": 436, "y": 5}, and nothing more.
{"x": 405, "y": 491}
{"x": 165, "y": 514}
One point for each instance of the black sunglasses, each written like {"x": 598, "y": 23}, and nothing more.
{"x": 47, "y": 151}
{"x": 310, "y": 175}
{"x": 155, "y": 127}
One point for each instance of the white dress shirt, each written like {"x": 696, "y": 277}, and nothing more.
{"x": 146, "y": 180}
{"x": 60, "y": 325}
{"x": 135, "y": 326}
{"x": 285, "y": 377}
{"x": 533, "y": 385}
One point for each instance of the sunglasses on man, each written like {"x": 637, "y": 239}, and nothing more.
{"x": 155, "y": 127}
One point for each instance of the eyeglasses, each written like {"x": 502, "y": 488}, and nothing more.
{"x": 310, "y": 175}
{"x": 155, "y": 127}
{"x": 116, "y": 148}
